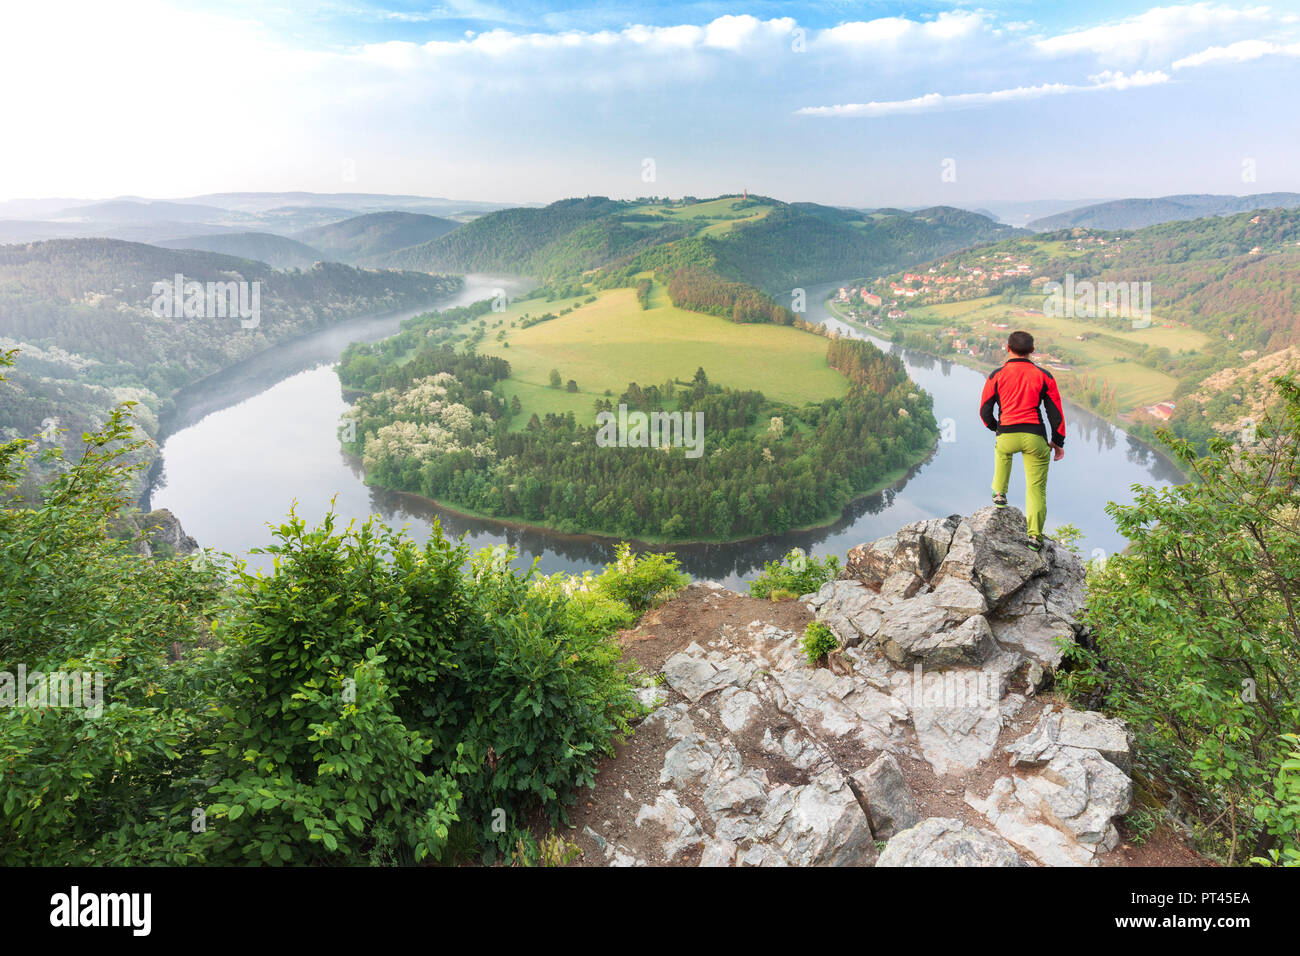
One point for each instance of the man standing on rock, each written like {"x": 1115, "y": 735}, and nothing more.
{"x": 1018, "y": 388}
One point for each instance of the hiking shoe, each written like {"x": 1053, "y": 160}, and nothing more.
{"x": 1000, "y": 501}
{"x": 1035, "y": 544}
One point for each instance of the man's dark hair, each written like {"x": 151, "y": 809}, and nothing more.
{"x": 1022, "y": 343}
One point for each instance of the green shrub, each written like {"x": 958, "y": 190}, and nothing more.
{"x": 476, "y": 697}
{"x": 112, "y": 783}
{"x": 590, "y": 609}
{"x": 818, "y": 641}
{"x": 1284, "y": 816}
{"x": 1198, "y": 634}
{"x": 797, "y": 574}
{"x": 367, "y": 701}
{"x": 326, "y": 737}
{"x": 1068, "y": 536}
{"x": 354, "y": 784}
{"x": 641, "y": 580}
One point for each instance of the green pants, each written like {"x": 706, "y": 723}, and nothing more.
{"x": 1037, "y": 454}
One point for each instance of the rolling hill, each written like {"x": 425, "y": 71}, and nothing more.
{"x": 371, "y": 236}
{"x": 764, "y": 242}
{"x": 565, "y": 237}
{"x": 1137, "y": 213}
{"x": 276, "y": 251}
{"x": 131, "y": 210}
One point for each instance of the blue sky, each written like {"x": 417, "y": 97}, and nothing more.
{"x": 851, "y": 103}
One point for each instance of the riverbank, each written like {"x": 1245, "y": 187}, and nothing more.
{"x": 893, "y": 480}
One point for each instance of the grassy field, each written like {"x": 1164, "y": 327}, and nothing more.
{"x": 610, "y": 342}
{"x": 715, "y": 218}
{"x": 1108, "y": 353}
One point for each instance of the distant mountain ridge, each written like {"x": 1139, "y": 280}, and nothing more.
{"x": 1139, "y": 213}
{"x": 276, "y": 251}
{"x": 132, "y": 210}
{"x": 761, "y": 241}
{"x": 138, "y": 219}
{"x": 373, "y": 235}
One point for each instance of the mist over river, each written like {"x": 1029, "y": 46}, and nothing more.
{"x": 245, "y": 445}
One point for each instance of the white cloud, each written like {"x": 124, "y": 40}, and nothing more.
{"x": 891, "y": 34}
{"x": 931, "y": 102}
{"x": 1239, "y": 52}
{"x": 1159, "y": 34}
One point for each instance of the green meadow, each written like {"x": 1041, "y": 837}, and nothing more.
{"x": 606, "y": 344}
{"x": 715, "y": 218}
{"x": 1107, "y": 353}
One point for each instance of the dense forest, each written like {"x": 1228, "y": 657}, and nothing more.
{"x": 804, "y": 243}
{"x": 702, "y": 291}
{"x": 430, "y": 424}
{"x": 563, "y": 238}
{"x": 279, "y": 252}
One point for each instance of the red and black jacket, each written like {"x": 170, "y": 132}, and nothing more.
{"x": 1017, "y": 389}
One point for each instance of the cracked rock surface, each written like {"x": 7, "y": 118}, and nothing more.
{"x": 921, "y": 743}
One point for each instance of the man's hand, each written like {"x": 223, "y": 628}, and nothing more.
{"x": 1057, "y": 453}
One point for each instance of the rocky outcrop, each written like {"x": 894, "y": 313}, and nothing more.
{"x": 155, "y": 533}
{"x": 937, "y": 590}
{"x": 923, "y": 734}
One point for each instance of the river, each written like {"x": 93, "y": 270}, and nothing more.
{"x": 245, "y": 445}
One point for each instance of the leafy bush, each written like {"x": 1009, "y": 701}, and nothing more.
{"x": 476, "y": 698}
{"x": 640, "y": 580}
{"x": 797, "y": 574}
{"x": 325, "y": 735}
{"x": 1286, "y": 817}
{"x": 590, "y": 609}
{"x": 1198, "y": 633}
{"x": 113, "y": 782}
{"x": 818, "y": 641}
{"x": 358, "y": 771}
{"x": 368, "y": 701}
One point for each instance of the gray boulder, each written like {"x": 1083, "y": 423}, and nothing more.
{"x": 971, "y": 642}
{"x": 1092, "y": 792}
{"x": 819, "y": 824}
{"x": 1058, "y": 731}
{"x": 944, "y": 841}
{"x": 990, "y": 549}
{"x": 154, "y": 534}
{"x": 915, "y": 549}
{"x": 891, "y": 805}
